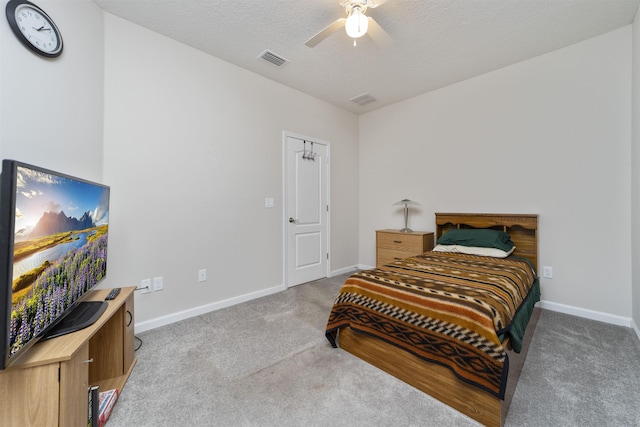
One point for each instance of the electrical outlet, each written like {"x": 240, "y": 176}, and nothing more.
{"x": 202, "y": 275}
{"x": 157, "y": 284}
{"x": 547, "y": 272}
{"x": 145, "y": 286}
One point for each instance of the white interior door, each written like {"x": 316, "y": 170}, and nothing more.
{"x": 306, "y": 212}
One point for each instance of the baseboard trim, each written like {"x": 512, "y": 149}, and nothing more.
{"x": 344, "y": 270}
{"x": 364, "y": 267}
{"x": 588, "y": 314}
{"x": 635, "y": 328}
{"x": 203, "y": 309}
{"x": 157, "y": 322}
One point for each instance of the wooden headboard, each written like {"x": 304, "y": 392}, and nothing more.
{"x": 522, "y": 228}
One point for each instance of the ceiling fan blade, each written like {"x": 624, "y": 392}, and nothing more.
{"x": 375, "y": 3}
{"x": 368, "y": 3}
{"x": 326, "y": 32}
{"x": 378, "y": 35}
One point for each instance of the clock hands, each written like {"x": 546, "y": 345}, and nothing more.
{"x": 42, "y": 28}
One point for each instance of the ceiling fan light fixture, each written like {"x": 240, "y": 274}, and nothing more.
{"x": 357, "y": 23}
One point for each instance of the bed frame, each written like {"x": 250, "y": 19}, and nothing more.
{"x": 439, "y": 381}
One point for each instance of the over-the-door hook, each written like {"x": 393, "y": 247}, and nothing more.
{"x": 312, "y": 155}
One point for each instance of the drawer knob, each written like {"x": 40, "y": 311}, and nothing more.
{"x": 397, "y": 241}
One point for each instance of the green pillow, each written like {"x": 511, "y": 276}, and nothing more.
{"x": 482, "y": 237}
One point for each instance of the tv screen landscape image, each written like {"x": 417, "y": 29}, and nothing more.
{"x": 53, "y": 250}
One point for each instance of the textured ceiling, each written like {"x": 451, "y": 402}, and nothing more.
{"x": 435, "y": 42}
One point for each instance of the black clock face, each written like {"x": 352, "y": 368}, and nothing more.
{"x": 34, "y": 28}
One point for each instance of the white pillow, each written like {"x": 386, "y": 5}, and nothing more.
{"x": 474, "y": 250}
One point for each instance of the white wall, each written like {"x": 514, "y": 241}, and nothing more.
{"x": 193, "y": 145}
{"x": 635, "y": 185}
{"x": 51, "y": 110}
{"x": 550, "y": 136}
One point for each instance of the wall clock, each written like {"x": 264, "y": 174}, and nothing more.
{"x": 34, "y": 28}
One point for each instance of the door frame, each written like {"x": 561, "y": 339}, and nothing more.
{"x": 285, "y": 198}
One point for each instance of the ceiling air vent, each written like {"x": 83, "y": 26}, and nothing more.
{"x": 363, "y": 99}
{"x": 271, "y": 57}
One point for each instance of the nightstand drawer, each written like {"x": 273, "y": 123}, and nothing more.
{"x": 400, "y": 241}
{"x": 394, "y": 245}
{"x": 385, "y": 256}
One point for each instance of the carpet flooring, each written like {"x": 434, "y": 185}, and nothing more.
{"x": 266, "y": 362}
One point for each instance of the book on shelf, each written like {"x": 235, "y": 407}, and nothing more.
{"x": 93, "y": 406}
{"x": 106, "y": 401}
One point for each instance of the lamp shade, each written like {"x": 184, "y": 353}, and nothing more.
{"x": 406, "y": 202}
{"x": 357, "y": 23}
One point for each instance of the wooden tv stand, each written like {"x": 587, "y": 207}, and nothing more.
{"x": 48, "y": 386}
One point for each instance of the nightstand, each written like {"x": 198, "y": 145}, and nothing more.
{"x": 394, "y": 245}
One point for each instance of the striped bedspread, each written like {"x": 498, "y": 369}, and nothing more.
{"x": 443, "y": 307}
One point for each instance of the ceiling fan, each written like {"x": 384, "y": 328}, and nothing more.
{"x": 356, "y": 23}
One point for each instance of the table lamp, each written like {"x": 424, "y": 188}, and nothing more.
{"x": 406, "y": 203}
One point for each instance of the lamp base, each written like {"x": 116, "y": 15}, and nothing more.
{"x": 406, "y": 230}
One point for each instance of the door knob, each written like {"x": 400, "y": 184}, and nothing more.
{"x": 291, "y": 220}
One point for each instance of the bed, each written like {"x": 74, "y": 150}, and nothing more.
{"x": 455, "y": 325}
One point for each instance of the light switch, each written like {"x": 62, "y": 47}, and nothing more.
{"x": 269, "y": 202}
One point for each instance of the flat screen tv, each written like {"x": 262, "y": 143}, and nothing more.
{"x": 53, "y": 250}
